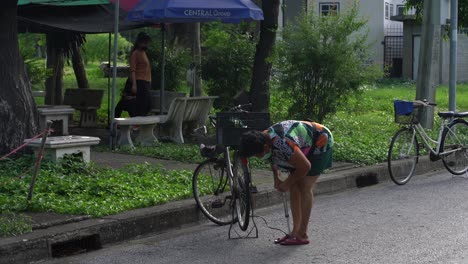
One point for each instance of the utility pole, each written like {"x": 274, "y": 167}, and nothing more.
{"x": 453, "y": 54}
{"x": 428, "y": 73}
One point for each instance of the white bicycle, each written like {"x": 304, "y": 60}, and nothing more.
{"x": 450, "y": 145}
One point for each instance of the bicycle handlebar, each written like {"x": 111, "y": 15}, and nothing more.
{"x": 237, "y": 108}
{"x": 424, "y": 103}
{"x": 240, "y": 108}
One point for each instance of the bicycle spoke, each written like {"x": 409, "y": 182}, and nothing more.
{"x": 209, "y": 184}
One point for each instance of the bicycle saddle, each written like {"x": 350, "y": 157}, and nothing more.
{"x": 450, "y": 114}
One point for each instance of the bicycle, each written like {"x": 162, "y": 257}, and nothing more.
{"x": 450, "y": 145}
{"x": 221, "y": 188}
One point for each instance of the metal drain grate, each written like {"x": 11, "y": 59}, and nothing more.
{"x": 367, "y": 179}
{"x": 76, "y": 246}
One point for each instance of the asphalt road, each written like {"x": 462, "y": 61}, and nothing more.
{"x": 425, "y": 221}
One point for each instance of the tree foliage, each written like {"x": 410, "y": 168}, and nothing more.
{"x": 322, "y": 60}
{"x": 227, "y": 62}
{"x": 418, "y": 5}
{"x": 96, "y": 48}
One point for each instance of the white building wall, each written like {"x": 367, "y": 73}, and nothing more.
{"x": 372, "y": 10}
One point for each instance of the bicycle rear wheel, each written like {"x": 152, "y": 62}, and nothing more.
{"x": 403, "y": 155}
{"x": 241, "y": 183}
{"x": 454, "y": 144}
{"x": 211, "y": 191}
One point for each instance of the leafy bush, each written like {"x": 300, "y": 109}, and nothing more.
{"x": 96, "y": 48}
{"x": 37, "y": 72}
{"x": 227, "y": 62}
{"x": 177, "y": 63}
{"x": 321, "y": 61}
{"x": 32, "y": 49}
{"x": 32, "y": 45}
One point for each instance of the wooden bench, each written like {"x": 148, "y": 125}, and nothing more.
{"x": 57, "y": 147}
{"x": 87, "y": 101}
{"x": 55, "y": 113}
{"x": 168, "y": 98}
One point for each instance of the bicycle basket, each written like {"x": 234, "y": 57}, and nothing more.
{"x": 406, "y": 112}
{"x": 231, "y": 125}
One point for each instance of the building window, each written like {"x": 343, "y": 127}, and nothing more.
{"x": 387, "y": 10}
{"x": 400, "y": 10}
{"x": 330, "y": 8}
{"x": 392, "y": 12}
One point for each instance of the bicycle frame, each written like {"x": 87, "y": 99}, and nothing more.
{"x": 427, "y": 140}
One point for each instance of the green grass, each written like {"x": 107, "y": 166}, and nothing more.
{"x": 364, "y": 127}
{"x": 14, "y": 224}
{"x": 71, "y": 187}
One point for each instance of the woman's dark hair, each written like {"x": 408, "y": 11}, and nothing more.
{"x": 142, "y": 37}
{"x": 252, "y": 143}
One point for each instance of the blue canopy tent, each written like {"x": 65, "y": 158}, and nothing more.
{"x": 185, "y": 11}
{"x": 190, "y": 11}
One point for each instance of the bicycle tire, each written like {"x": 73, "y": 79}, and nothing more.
{"x": 242, "y": 194}
{"x": 209, "y": 186}
{"x": 455, "y": 136}
{"x": 403, "y": 155}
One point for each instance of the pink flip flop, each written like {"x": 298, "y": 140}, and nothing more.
{"x": 281, "y": 239}
{"x": 294, "y": 241}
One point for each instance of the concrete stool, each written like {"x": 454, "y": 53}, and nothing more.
{"x": 56, "y": 147}
{"x": 55, "y": 113}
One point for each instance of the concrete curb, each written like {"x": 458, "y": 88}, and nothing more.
{"x": 93, "y": 233}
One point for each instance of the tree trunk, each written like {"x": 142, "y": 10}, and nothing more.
{"x": 196, "y": 56}
{"x": 55, "y": 61}
{"x": 78, "y": 67}
{"x": 259, "y": 91}
{"x": 18, "y": 114}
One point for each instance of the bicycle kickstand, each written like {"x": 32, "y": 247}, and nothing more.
{"x": 252, "y": 231}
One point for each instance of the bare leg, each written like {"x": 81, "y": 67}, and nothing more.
{"x": 306, "y": 186}
{"x": 296, "y": 208}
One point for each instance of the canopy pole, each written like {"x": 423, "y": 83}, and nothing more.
{"x": 114, "y": 71}
{"x": 453, "y": 55}
{"x": 109, "y": 80}
{"x": 163, "y": 66}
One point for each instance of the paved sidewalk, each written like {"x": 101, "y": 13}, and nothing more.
{"x": 57, "y": 233}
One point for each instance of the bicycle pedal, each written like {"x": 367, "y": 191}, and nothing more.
{"x": 253, "y": 189}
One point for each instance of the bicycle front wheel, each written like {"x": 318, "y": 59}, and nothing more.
{"x": 403, "y": 155}
{"x": 241, "y": 183}
{"x": 454, "y": 144}
{"x": 211, "y": 191}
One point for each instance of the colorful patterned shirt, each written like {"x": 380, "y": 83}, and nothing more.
{"x": 311, "y": 138}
